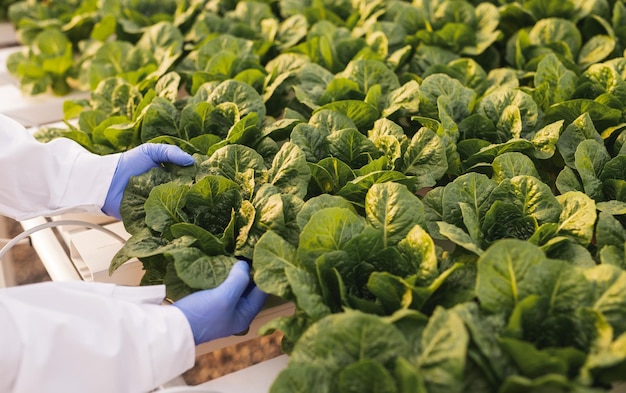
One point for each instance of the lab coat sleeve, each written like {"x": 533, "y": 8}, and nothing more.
{"x": 90, "y": 337}
{"x": 44, "y": 179}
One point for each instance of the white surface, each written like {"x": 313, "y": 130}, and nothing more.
{"x": 187, "y": 389}
{"x": 33, "y": 110}
{"x": 253, "y": 379}
{"x": 7, "y": 34}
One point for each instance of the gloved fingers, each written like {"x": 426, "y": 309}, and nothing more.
{"x": 161, "y": 152}
{"x": 236, "y": 282}
{"x": 250, "y": 286}
{"x": 248, "y": 307}
{"x": 256, "y": 299}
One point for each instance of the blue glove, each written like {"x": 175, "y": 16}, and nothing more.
{"x": 225, "y": 310}
{"x": 135, "y": 162}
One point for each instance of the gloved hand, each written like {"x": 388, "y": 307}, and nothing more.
{"x": 225, "y": 310}
{"x": 135, "y": 162}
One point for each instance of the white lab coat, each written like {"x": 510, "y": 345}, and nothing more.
{"x": 78, "y": 336}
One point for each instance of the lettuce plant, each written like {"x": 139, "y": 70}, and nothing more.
{"x": 4, "y": 9}
{"x": 74, "y": 18}
{"x": 189, "y": 226}
{"x": 47, "y": 64}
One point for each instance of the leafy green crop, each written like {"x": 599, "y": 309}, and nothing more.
{"x": 439, "y": 186}
{"x": 47, "y": 63}
{"x": 74, "y": 18}
{"x": 4, "y": 9}
{"x": 189, "y": 227}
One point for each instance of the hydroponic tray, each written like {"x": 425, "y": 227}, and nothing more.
{"x": 31, "y": 111}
